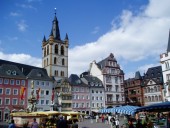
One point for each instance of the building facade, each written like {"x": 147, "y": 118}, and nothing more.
{"x": 165, "y": 63}
{"x": 153, "y": 84}
{"x": 96, "y": 92}
{"x": 110, "y": 73}
{"x": 134, "y": 91}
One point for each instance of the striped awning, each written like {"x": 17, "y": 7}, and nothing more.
{"x": 129, "y": 110}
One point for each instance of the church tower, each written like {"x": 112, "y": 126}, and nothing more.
{"x": 55, "y": 53}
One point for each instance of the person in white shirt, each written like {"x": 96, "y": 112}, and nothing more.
{"x": 117, "y": 123}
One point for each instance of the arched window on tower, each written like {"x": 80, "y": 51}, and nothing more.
{"x": 44, "y": 63}
{"x": 44, "y": 51}
{"x": 56, "y": 49}
{"x": 55, "y": 60}
{"x": 62, "y": 50}
{"x": 47, "y": 61}
{"x": 63, "y": 62}
{"x": 167, "y": 65}
{"x": 56, "y": 73}
{"x": 48, "y": 50}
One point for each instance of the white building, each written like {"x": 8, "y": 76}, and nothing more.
{"x": 109, "y": 72}
{"x": 165, "y": 63}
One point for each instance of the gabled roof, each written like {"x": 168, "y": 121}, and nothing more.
{"x": 25, "y": 69}
{"x": 102, "y": 63}
{"x": 153, "y": 72}
{"x": 38, "y": 74}
{"x": 76, "y": 81}
{"x": 12, "y": 71}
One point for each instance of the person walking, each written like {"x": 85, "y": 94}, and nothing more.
{"x": 12, "y": 124}
{"x": 117, "y": 123}
{"x": 62, "y": 123}
{"x": 74, "y": 125}
{"x": 112, "y": 120}
{"x": 34, "y": 124}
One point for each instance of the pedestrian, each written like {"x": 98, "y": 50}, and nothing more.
{"x": 117, "y": 123}
{"x": 62, "y": 123}
{"x": 34, "y": 124}
{"x": 112, "y": 120}
{"x": 97, "y": 118}
{"x": 12, "y": 124}
{"x": 109, "y": 117}
{"x": 74, "y": 125}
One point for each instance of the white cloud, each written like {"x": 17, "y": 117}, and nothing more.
{"x": 22, "y": 26}
{"x": 96, "y": 30}
{"x": 22, "y": 58}
{"x": 135, "y": 38}
{"x": 14, "y": 14}
{"x": 26, "y": 6}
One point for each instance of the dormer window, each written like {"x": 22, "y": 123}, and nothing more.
{"x": 39, "y": 74}
{"x": 9, "y": 72}
{"x": 14, "y": 73}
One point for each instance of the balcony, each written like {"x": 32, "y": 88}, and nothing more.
{"x": 114, "y": 102}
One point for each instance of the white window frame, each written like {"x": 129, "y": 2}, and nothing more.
{"x": 18, "y": 82}
{"x": 41, "y": 102}
{"x": 46, "y": 102}
{"x": 7, "y": 99}
{"x": 9, "y": 91}
{"x": 1, "y": 101}
{"x": 23, "y": 82}
{"x": 13, "y": 101}
{"x": 22, "y": 102}
{"x": 16, "y": 91}
{"x": 2, "y": 91}
{"x": 12, "y": 81}
{"x": 6, "y": 81}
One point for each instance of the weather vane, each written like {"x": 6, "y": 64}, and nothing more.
{"x": 55, "y": 10}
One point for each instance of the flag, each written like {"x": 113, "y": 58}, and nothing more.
{"x": 37, "y": 92}
{"x": 22, "y": 90}
{"x": 52, "y": 96}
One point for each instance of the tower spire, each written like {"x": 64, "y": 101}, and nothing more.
{"x": 168, "y": 48}
{"x": 55, "y": 28}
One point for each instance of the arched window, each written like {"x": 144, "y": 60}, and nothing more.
{"x": 62, "y": 73}
{"x": 160, "y": 98}
{"x": 62, "y": 50}
{"x": 149, "y": 98}
{"x": 156, "y": 98}
{"x": 167, "y": 65}
{"x": 63, "y": 62}
{"x": 44, "y": 51}
{"x": 155, "y": 89}
{"x": 47, "y": 61}
{"x": 44, "y": 63}
{"x": 153, "y": 98}
{"x": 56, "y": 73}
{"x": 55, "y": 60}
{"x": 56, "y": 49}
{"x": 48, "y": 50}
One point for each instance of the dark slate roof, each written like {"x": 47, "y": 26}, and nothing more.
{"x": 66, "y": 38}
{"x": 55, "y": 29}
{"x": 11, "y": 71}
{"x": 168, "y": 48}
{"x": 153, "y": 72}
{"x": 137, "y": 75}
{"x": 23, "y": 67}
{"x": 38, "y": 74}
{"x": 84, "y": 74}
{"x": 102, "y": 63}
{"x": 76, "y": 81}
{"x": 44, "y": 39}
{"x": 92, "y": 79}
{"x": 121, "y": 72}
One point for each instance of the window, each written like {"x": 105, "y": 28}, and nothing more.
{"x": 6, "y": 81}
{"x": 1, "y": 91}
{"x": 47, "y": 102}
{"x": 42, "y": 102}
{"x": 108, "y": 79}
{"x": 56, "y": 49}
{"x": 38, "y": 83}
{"x": 0, "y": 101}
{"x": 62, "y": 50}
{"x": 11, "y": 82}
{"x": 14, "y": 101}
{"x": 23, "y": 82}
{"x": 101, "y": 98}
{"x": 42, "y": 83}
{"x": 17, "y": 82}
{"x": 87, "y": 104}
{"x": 7, "y": 101}
{"x": 116, "y": 80}
{"x": 1, "y": 80}
{"x": 92, "y": 97}
{"x": 42, "y": 92}
{"x": 63, "y": 62}
{"x": 22, "y": 102}
{"x": 47, "y": 83}
{"x": 97, "y": 98}
{"x": 92, "y": 91}
{"x": 47, "y": 92}
{"x": 55, "y": 60}
{"x": 168, "y": 77}
{"x": 15, "y": 91}
{"x": 8, "y": 91}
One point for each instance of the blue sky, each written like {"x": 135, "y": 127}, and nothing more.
{"x": 135, "y": 31}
